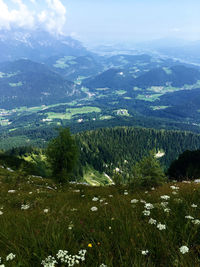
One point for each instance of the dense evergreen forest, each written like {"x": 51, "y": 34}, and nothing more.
{"x": 110, "y": 150}
{"x": 121, "y": 147}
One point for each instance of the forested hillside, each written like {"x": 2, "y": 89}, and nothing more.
{"x": 121, "y": 147}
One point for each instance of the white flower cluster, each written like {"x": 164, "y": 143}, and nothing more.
{"x": 148, "y": 206}
{"x": 71, "y": 260}
{"x": 161, "y": 226}
{"x": 189, "y": 217}
{"x": 146, "y": 212}
{"x": 145, "y": 252}
{"x": 125, "y": 192}
{"x": 173, "y": 187}
{"x": 184, "y": 249}
{"x": 196, "y": 221}
{"x": 64, "y": 257}
{"x": 10, "y": 257}
{"x": 134, "y": 201}
{"x": 94, "y": 209}
{"x": 25, "y": 206}
{"x": 1, "y": 212}
{"x": 152, "y": 221}
{"x": 167, "y": 210}
{"x": 102, "y": 265}
{"x": 165, "y": 197}
{"x": 49, "y": 262}
{"x": 11, "y": 191}
{"x": 95, "y": 199}
{"x": 46, "y": 210}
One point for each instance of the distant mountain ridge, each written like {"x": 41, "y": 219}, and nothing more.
{"x": 37, "y": 45}
{"x": 27, "y": 83}
{"x": 176, "y": 76}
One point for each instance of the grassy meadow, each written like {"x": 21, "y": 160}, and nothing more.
{"x": 98, "y": 226}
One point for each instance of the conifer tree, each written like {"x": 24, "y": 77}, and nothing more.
{"x": 148, "y": 171}
{"x": 62, "y": 154}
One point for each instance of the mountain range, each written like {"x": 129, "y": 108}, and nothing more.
{"x": 68, "y": 84}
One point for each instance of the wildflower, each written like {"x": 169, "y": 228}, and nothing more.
{"x": 10, "y": 257}
{"x": 30, "y": 193}
{"x": 173, "y": 187}
{"x": 152, "y": 221}
{"x": 189, "y": 217}
{"x": 1, "y": 212}
{"x": 165, "y": 197}
{"x": 49, "y": 262}
{"x": 11, "y": 191}
{"x": 82, "y": 195}
{"x": 146, "y": 192}
{"x": 133, "y": 201}
{"x": 148, "y": 206}
{"x": 102, "y": 265}
{"x": 196, "y": 221}
{"x": 184, "y": 249}
{"x": 145, "y": 252}
{"x": 161, "y": 226}
{"x": 46, "y": 210}
{"x": 71, "y": 260}
{"x": 167, "y": 210}
{"x": 94, "y": 209}
{"x": 194, "y": 206}
{"x": 146, "y": 212}
{"x": 90, "y": 245}
{"x": 95, "y": 199}
{"x": 174, "y": 193}
{"x": 142, "y": 201}
{"x": 25, "y": 206}
{"x": 153, "y": 188}
{"x": 70, "y": 226}
{"x": 125, "y": 192}
{"x": 110, "y": 195}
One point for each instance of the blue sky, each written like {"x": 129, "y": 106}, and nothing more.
{"x": 106, "y": 20}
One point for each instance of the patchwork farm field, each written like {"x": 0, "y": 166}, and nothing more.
{"x": 44, "y": 224}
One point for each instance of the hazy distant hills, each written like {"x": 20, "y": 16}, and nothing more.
{"x": 175, "y": 76}
{"x": 24, "y": 82}
{"x": 38, "y": 69}
{"x": 37, "y": 45}
{"x": 72, "y": 67}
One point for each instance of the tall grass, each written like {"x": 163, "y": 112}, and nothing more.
{"x": 115, "y": 234}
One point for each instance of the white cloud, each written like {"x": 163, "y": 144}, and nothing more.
{"x": 53, "y": 18}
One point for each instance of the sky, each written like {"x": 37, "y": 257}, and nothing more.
{"x": 106, "y": 20}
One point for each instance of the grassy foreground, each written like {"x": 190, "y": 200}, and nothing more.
{"x": 115, "y": 226}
